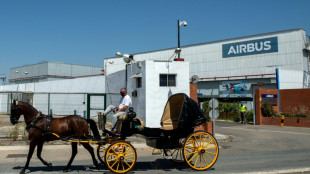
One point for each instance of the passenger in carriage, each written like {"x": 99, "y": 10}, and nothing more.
{"x": 122, "y": 108}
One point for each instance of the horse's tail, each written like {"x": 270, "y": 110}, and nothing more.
{"x": 94, "y": 128}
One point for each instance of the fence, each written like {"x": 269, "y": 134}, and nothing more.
{"x": 59, "y": 103}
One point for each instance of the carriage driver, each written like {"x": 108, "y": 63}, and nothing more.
{"x": 122, "y": 108}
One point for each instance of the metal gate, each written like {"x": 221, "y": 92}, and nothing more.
{"x": 95, "y": 103}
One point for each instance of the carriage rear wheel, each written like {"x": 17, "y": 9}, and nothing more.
{"x": 101, "y": 149}
{"x": 120, "y": 157}
{"x": 200, "y": 150}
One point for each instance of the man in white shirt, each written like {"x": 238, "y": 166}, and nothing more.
{"x": 122, "y": 108}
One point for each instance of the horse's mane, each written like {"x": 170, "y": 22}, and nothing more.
{"x": 29, "y": 105}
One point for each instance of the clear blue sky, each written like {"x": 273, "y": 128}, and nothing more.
{"x": 87, "y": 31}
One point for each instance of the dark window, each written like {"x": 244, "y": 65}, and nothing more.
{"x": 167, "y": 80}
{"x": 139, "y": 82}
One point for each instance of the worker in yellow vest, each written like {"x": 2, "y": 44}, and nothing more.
{"x": 242, "y": 111}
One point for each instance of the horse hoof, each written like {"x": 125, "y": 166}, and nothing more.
{"x": 66, "y": 170}
{"x": 50, "y": 165}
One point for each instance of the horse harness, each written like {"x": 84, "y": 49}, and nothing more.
{"x": 31, "y": 124}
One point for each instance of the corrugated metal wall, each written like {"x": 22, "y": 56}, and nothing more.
{"x": 206, "y": 59}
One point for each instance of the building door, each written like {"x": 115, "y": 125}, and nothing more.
{"x": 95, "y": 103}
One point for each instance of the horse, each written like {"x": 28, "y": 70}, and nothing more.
{"x": 39, "y": 131}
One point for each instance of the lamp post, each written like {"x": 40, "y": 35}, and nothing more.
{"x": 180, "y": 23}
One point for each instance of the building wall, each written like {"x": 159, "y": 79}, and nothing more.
{"x": 48, "y": 71}
{"x": 151, "y": 98}
{"x": 207, "y": 61}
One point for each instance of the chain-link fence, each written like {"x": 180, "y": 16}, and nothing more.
{"x": 57, "y": 103}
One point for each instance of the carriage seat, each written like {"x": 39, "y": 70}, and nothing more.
{"x": 129, "y": 116}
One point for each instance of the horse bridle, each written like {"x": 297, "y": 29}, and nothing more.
{"x": 14, "y": 117}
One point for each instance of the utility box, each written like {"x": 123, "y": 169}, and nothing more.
{"x": 150, "y": 83}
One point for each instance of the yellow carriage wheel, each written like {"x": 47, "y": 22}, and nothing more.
{"x": 200, "y": 150}
{"x": 176, "y": 154}
{"x": 120, "y": 157}
{"x": 101, "y": 149}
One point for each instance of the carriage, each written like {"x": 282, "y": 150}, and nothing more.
{"x": 176, "y": 137}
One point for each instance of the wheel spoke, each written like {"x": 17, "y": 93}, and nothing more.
{"x": 114, "y": 163}
{"x": 129, "y": 154}
{"x": 129, "y": 159}
{"x": 193, "y": 156}
{"x": 126, "y": 163}
{"x": 190, "y": 147}
{"x": 117, "y": 166}
{"x": 123, "y": 166}
{"x": 204, "y": 141}
{"x": 205, "y": 160}
{"x": 208, "y": 157}
{"x": 190, "y": 153}
{"x": 196, "y": 160}
{"x": 208, "y": 143}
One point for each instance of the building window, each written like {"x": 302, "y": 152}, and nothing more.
{"x": 167, "y": 80}
{"x": 139, "y": 82}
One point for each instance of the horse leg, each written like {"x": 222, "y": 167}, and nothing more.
{"x": 74, "y": 152}
{"x": 39, "y": 151}
{"x": 32, "y": 146}
{"x": 91, "y": 151}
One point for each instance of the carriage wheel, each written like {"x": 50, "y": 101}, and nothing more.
{"x": 120, "y": 157}
{"x": 176, "y": 154}
{"x": 200, "y": 150}
{"x": 101, "y": 152}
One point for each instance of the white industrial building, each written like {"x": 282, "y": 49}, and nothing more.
{"x": 229, "y": 70}
{"x": 48, "y": 71}
{"x": 232, "y": 69}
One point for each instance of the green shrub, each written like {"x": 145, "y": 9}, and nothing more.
{"x": 294, "y": 115}
{"x": 249, "y": 115}
{"x": 14, "y": 134}
{"x": 229, "y": 110}
{"x": 267, "y": 110}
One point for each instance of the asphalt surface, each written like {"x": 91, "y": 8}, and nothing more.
{"x": 243, "y": 149}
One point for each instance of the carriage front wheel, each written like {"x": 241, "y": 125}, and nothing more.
{"x": 120, "y": 157}
{"x": 200, "y": 150}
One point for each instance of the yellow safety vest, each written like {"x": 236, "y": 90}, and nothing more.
{"x": 242, "y": 108}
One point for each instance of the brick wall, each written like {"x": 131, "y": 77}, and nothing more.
{"x": 258, "y": 103}
{"x": 293, "y": 101}
{"x": 193, "y": 92}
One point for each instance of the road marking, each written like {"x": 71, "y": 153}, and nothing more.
{"x": 283, "y": 132}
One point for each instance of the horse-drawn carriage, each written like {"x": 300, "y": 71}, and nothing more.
{"x": 176, "y": 137}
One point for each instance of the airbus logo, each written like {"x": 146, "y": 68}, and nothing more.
{"x": 258, "y": 46}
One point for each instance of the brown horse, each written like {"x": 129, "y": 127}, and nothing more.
{"x": 39, "y": 132}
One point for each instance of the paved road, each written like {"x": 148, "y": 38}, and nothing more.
{"x": 249, "y": 149}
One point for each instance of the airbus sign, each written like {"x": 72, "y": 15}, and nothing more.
{"x": 259, "y": 46}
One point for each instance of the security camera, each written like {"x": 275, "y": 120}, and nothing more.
{"x": 119, "y": 55}
{"x": 184, "y": 23}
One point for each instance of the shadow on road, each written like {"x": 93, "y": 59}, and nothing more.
{"x": 145, "y": 166}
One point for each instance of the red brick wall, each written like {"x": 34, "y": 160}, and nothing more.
{"x": 295, "y": 101}
{"x": 193, "y": 92}
{"x": 258, "y": 103}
